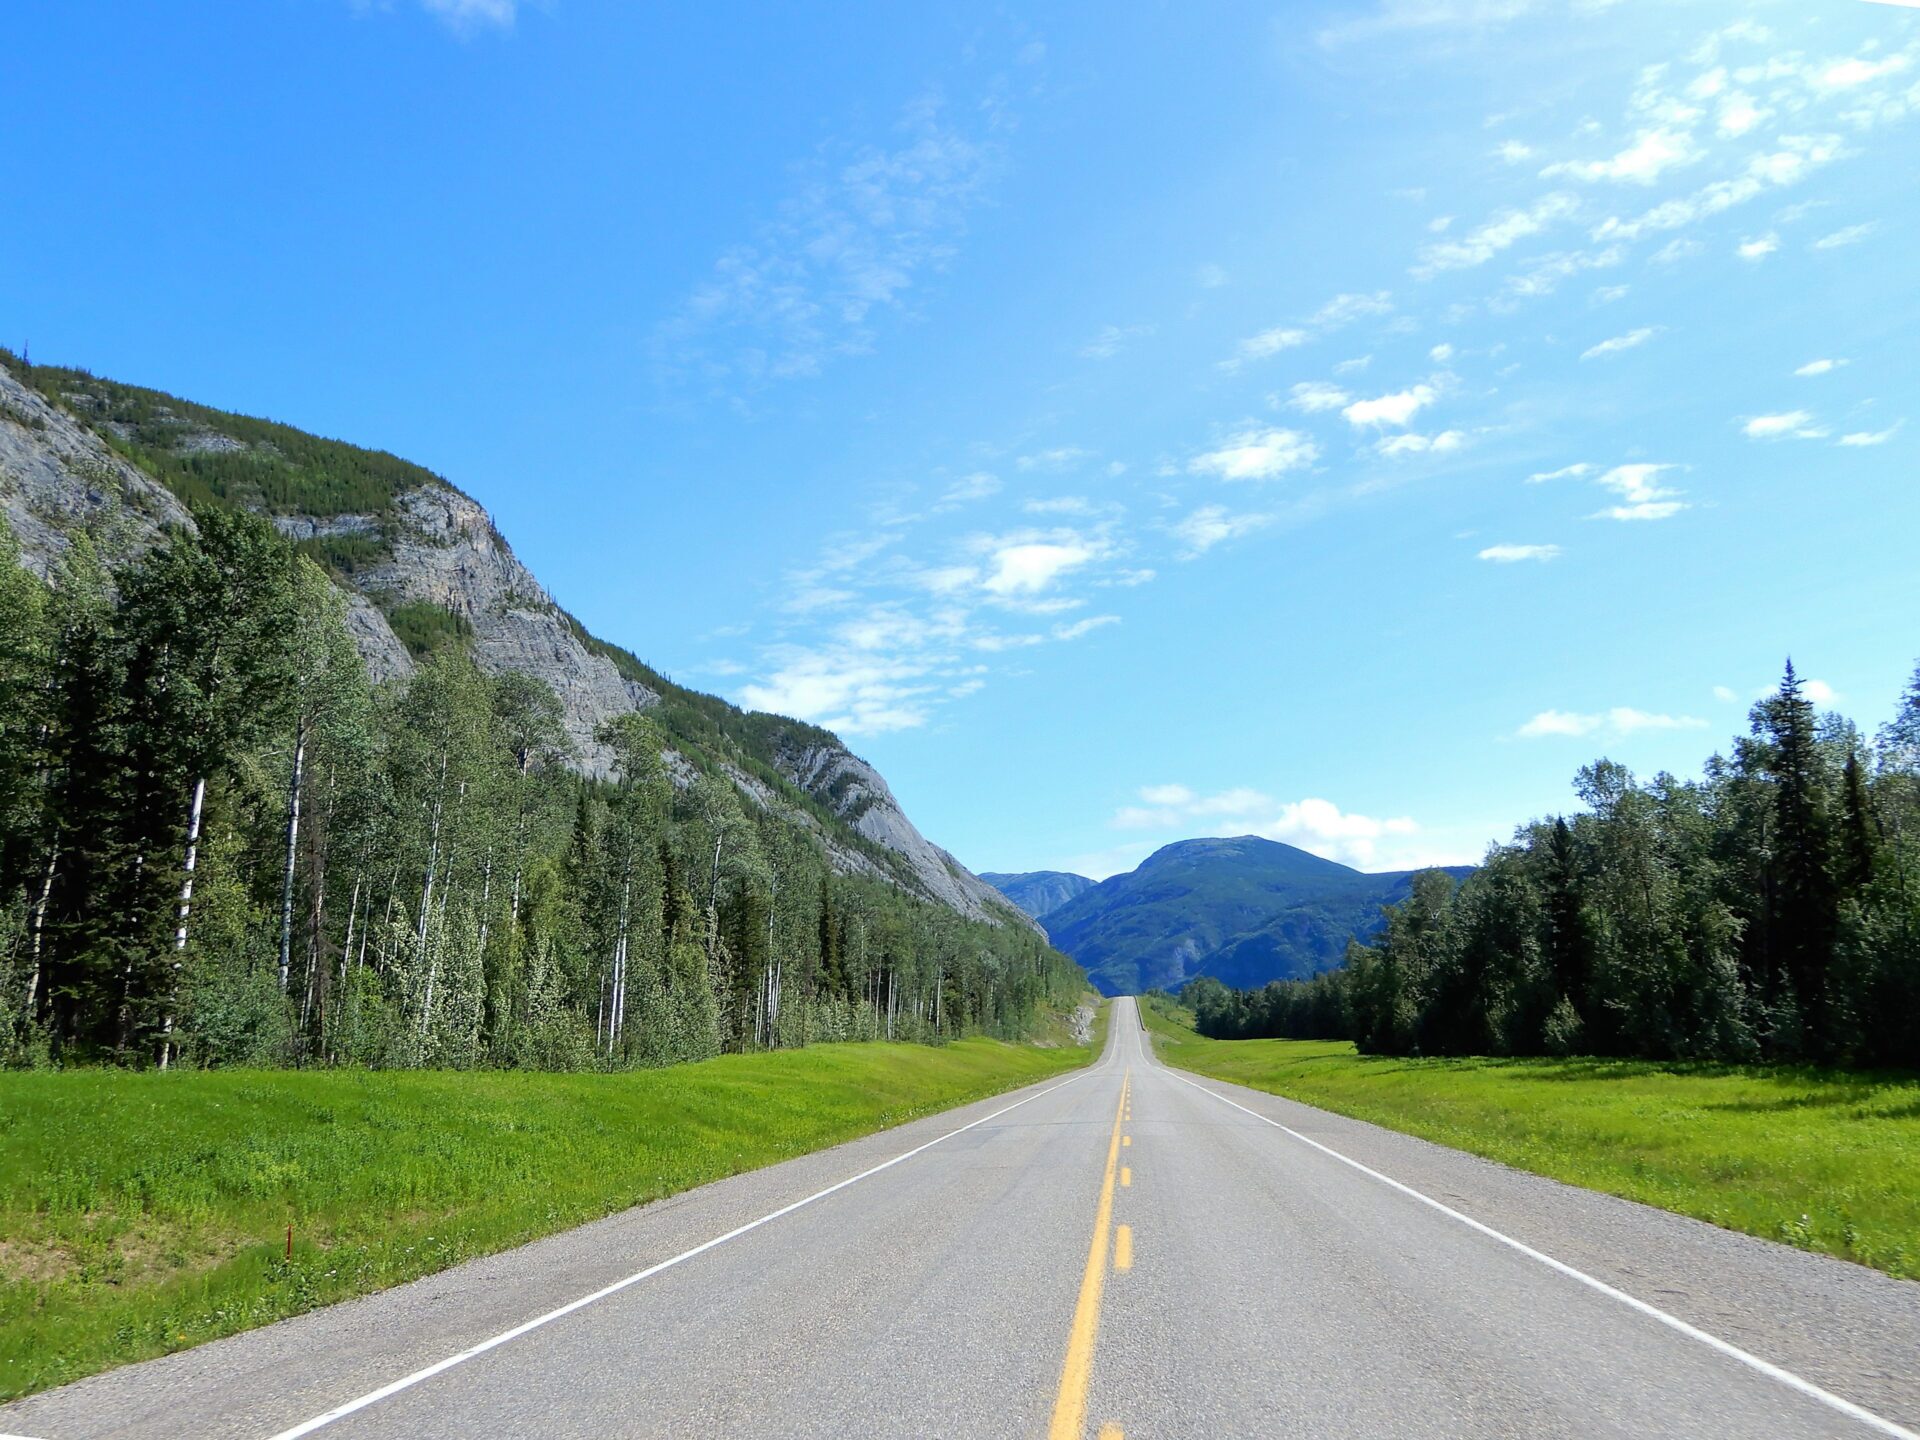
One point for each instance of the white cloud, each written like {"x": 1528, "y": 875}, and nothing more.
{"x": 1061, "y": 457}
{"x": 1576, "y": 471}
{"x": 852, "y": 694}
{"x": 1515, "y": 554}
{"x": 1353, "y": 366}
{"x": 1440, "y": 353}
{"x": 1210, "y": 277}
{"x": 1312, "y": 824}
{"x": 1819, "y": 367}
{"x": 1758, "y": 248}
{"x": 1398, "y": 445}
{"x": 1738, "y": 115}
{"x": 1514, "y": 151}
{"x": 1112, "y": 339}
{"x": 968, "y": 489}
{"x": 1726, "y": 695}
{"x": 1619, "y": 343}
{"x": 465, "y": 16}
{"x": 862, "y": 226}
{"x": 1795, "y": 424}
{"x": 1210, "y": 525}
{"x": 1395, "y": 409}
{"x": 1084, "y": 627}
{"x": 1504, "y": 231}
{"x": 1859, "y": 438}
{"x": 1851, "y": 235}
{"x": 1029, "y": 566}
{"x": 1345, "y": 309}
{"x": 1642, "y": 496}
{"x": 1607, "y": 294}
{"x": 1846, "y": 74}
{"x": 1651, "y": 155}
{"x": 1257, "y": 454}
{"x": 1266, "y": 344}
{"x": 1314, "y": 396}
{"x": 1797, "y": 157}
{"x": 1618, "y": 723}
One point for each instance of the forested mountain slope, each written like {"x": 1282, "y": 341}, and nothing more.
{"x": 422, "y": 566}
{"x": 1039, "y": 892}
{"x": 1248, "y": 910}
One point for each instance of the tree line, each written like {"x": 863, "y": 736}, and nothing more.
{"x": 1769, "y": 911}
{"x": 220, "y": 844}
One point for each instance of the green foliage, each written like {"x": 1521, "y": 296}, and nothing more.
{"x": 425, "y": 628}
{"x": 1770, "y": 911}
{"x": 1828, "y": 1160}
{"x": 146, "y": 1213}
{"x": 208, "y": 456}
{"x": 220, "y": 846}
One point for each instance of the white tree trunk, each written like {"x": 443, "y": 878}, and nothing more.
{"x": 293, "y": 842}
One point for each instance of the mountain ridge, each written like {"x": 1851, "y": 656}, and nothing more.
{"x": 421, "y": 564}
{"x": 1242, "y": 908}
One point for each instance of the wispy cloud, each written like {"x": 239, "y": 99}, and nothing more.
{"x": 1819, "y": 367}
{"x": 1642, "y": 496}
{"x": 1791, "y": 424}
{"x": 1757, "y": 248}
{"x": 1516, "y": 554}
{"x": 1211, "y": 525}
{"x": 1860, "y": 438}
{"x": 1501, "y": 233}
{"x": 1256, "y": 453}
{"x": 1397, "y": 408}
{"x": 1629, "y": 341}
{"x": 863, "y": 227}
{"x": 1397, "y": 446}
{"x": 1652, "y": 153}
{"x": 1617, "y": 723}
{"x": 465, "y": 17}
{"x": 1851, "y": 235}
{"x": 1112, "y": 339}
{"x": 1312, "y": 824}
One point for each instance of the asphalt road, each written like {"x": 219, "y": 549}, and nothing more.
{"x": 1129, "y": 1252}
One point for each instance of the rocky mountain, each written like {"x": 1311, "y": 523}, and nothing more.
{"x": 1039, "y": 892}
{"x": 1246, "y": 910}
{"x": 422, "y": 565}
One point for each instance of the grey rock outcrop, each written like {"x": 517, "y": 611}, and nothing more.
{"x": 58, "y": 477}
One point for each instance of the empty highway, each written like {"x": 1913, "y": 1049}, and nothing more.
{"x": 1128, "y": 1252}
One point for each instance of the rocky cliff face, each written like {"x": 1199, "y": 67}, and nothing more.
{"x": 428, "y": 545}
{"x": 57, "y": 478}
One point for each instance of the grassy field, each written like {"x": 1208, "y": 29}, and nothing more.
{"x": 1826, "y": 1160}
{"x": 143, "y": 1213}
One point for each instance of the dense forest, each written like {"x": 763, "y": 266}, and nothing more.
{"x": 220, "y": 844}
{"x": 1768, "y": 911}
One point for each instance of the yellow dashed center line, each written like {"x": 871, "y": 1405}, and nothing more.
{"x": 1126, "y": 1140}
{"x": 1123, "y": 1247}
{"x": 1070, "y": 1406}
{"x": 1111, "y": 1432}
{"x": 1126, "y": 1176}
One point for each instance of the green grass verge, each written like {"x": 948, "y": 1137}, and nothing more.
{"x": 144, "y": 1213}
{"x": 1822, "y": 1159}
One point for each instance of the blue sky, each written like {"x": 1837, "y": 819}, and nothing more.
{"x": 1337, "y": 421}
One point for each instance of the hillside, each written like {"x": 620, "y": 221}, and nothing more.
{"x": 1246, "y": 910}
{"x": 422, "y": 566}
{"x": 1040, "y": 892}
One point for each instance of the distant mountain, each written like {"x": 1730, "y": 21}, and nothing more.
{"x": 1039, "y": 892}
{"x": 1245, "y": 910}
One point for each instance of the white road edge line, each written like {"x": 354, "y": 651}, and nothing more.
{"x": 406, "y": 1382}
{"x": 1672, "y": 1322}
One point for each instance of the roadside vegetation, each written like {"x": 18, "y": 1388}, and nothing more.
{"x": 1769, "y": 911}
{"x": 221, "y": 845}
{"x": 1824, "y": 1159}
{"x": 142, "y": 1213}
